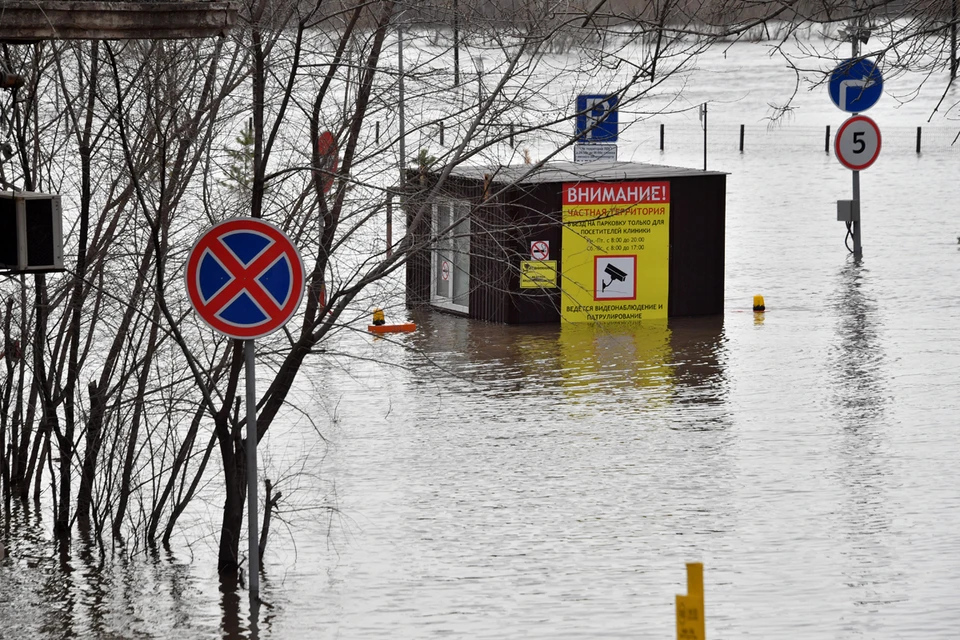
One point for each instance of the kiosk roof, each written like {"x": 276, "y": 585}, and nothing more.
{"x": 578, "y": 172}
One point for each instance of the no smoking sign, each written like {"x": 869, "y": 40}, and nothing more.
{"x": 540, "y": 250}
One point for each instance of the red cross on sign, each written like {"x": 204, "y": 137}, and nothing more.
{"x": 540, "y": 249}
{"x": 244, "y": 278}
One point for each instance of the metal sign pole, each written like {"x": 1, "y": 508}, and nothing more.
{"x": 857, "y": 247}
{"x": 249, "y": 352}
{"x": 402, "y": 114}
{"x": 703, "y": 113}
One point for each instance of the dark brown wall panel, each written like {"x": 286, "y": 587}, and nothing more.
{"x": 697, "y": 227}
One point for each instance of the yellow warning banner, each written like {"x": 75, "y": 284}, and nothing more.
{"x": 538, "y": 274}
{"x": 616, "y": 251}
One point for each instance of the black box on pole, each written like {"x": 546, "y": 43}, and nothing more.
{"x": 31, "y": 232}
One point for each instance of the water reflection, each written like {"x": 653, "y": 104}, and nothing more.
{"x": 858, "y": 355}
{"x": 72, "y": 589}
{"x": 233, "y": 596}
{"x": 860, "y": 398}
{"x": 92, "y": 586}
{"x": 657, "y": 362}
{"x": 607, "y": 359}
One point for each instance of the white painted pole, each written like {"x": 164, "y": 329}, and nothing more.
{"x": 249, "y": 352}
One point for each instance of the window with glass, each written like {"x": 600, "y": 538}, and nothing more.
{"x": 450, "y": 260}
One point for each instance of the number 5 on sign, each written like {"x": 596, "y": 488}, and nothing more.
{"x": 858, "y": 143}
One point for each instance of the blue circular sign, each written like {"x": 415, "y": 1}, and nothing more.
{"x": 856, "y": 85}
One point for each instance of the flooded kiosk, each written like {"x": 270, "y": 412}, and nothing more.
{"x": 597, "y": 242}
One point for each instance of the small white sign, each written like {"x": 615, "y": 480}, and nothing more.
{"x": 596, "y": 152}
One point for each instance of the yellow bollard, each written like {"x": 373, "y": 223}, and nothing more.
{"x": 378, "y": 318}
{"x": 758, "y": 303}
{"x": 691, "y": 624}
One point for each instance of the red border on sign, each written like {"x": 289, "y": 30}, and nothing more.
{"x": 281, "y": 247}
{"x": 545, "y": 252}
{"x": 596, "y": 259}
{"x": 836, "y": 143}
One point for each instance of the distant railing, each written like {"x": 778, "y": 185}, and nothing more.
{"x": 744, "y": 138}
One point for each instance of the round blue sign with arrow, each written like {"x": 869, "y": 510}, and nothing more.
{"x": 245, "y": 278}
{"x": 856, "y": 85}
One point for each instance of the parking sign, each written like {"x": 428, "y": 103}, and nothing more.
{"x": 597, "y": 119}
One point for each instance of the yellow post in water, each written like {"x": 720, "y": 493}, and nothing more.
{"x": 758, "y": 303}
{"x": 691, "y": 624}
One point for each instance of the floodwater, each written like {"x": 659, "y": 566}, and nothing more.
{"x": 548, "y": 482}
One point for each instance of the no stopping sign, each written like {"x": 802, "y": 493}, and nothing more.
{"x": 244, "y": 278}
{"x": 857, "y": 144}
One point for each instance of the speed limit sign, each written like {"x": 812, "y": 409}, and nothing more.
{"x": 858, "y": 143}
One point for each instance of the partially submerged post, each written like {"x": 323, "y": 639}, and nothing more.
{"x": 691, "y": 624}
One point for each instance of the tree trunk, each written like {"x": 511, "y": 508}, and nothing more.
{"x": 270, "y": 505}
{"x": 35, "y": 452}
{"x": 134, "y": 435}
{"x": 97, "y": 394}
{"x": 24, "y": 416}
{"x": 178, "y": 462}
{"x": 94, "y": 440}
{"x": 235, "y": 484}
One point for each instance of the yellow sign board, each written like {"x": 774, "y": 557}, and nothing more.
{"x": 616, "y": 251}
{"x": 538, "y": 274}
